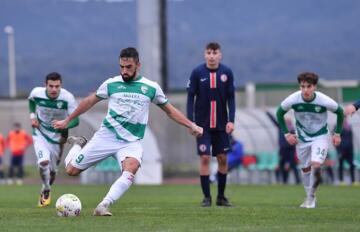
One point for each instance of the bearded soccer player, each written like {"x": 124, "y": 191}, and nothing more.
{"x": 47, "y": 104}
{"x": 312, "y": 136}
{"x": 130, "y": 95}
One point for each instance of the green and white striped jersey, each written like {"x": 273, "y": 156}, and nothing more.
{"x": 128, "y": 107}
{"x": 311, "y": 116}
{"x": 48, "y": 109}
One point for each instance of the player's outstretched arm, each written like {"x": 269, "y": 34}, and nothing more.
{"x": 180, "y": 118}
{"x": 84, "y": 106}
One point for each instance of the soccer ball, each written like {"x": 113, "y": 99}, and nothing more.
{"x": 68, "y": 205}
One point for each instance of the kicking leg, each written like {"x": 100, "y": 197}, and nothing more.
{"x": 120, "y": 186}
{"x": 78, "y": 144}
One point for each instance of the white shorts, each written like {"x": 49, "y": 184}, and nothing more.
{"x": 314, "y": 151}
{"x": 46, "y": 151}
{"x": 104, "y": 144}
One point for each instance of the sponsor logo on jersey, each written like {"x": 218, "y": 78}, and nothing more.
{"x": 223, "y": 78}
{"x": 59, "y": 105}
{"x": 121, "y": 87}
{"x": 144, "y": 89}
{"x": 317, "y": 108}
{"x": 202, "y": 147}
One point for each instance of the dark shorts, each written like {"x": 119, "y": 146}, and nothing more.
{"x": 0, "y": 160}
{"x": 214, "y": 142}
{"x": 17, "y": 160}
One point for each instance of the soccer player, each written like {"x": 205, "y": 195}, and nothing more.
{"x": 312, "y": 133}
{"x": 211, "y": 104}
{"x": 130, "y": 95}
{"x": 2, "y": 151}
{"x": 18, "y": 141}
{"x": 352, "y": 108}
{"x": 46, "y": 104}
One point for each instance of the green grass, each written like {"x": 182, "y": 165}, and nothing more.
{"x": 176, "y": 208}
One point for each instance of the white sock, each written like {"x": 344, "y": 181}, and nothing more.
{"x": 45, "y": 176}
{"x": 306, "y": 179}
{"x": 73, "y": 151}
{"x": 119, "y": 187}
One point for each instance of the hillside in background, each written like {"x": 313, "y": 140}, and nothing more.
{"x": 263, "y": 41}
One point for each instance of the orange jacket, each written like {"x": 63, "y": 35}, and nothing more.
{"x": 2, "y": 145}
{"x": 18, "y": 142}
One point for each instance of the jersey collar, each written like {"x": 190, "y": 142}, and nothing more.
{"x": 51, "y": 97}
{"x": 308, "y": 101}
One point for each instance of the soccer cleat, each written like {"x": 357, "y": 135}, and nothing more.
{"x": 80, "y": 140}
{"x": 102, "y": 210}
{"x": 223, "y": 201}
{"x": 309, "y": 203}
{"x": 206, "y": 202}
{"x": 45, "y": 198}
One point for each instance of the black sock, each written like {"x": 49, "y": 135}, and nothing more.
{"x": 205, "y": 185}
{"x": 221, "y": 184}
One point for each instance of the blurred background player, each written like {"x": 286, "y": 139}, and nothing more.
{"x": 211, "y": 105}
{"x": 45, "y": 105}
{"x": 235, "y": 154}
{"x": 2, "y": 151}
{"x": 18, "y": 141}
{"x": 346, "y": 152}
{"x": 352, "y": 108}
{"x": 287, "y": 152}
{"x": 130, "y": 95}
{"x": 312, "y": 133}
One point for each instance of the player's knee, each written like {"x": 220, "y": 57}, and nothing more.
{"x": 315, "y": 165}
{"x": 131, "y": 165}
{"x": 222, "y": 160}
{"x": 44, "y": 163}
{"x": 306, "y": 170}
{"x": 205, "y": 159}
{"x": 72, "y": 171}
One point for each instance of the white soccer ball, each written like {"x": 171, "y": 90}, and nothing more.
{"x": 68, "y": 205}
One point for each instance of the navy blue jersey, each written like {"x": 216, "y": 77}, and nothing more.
{"x": 211, "y": 97}
{"x": 357, "y": 104}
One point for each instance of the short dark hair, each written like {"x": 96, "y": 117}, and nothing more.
{"x": 53, "y": 76}
{"x": 213, "y": 46}
{"x": 309, "y": 77}
{"x": 130, "y": 52}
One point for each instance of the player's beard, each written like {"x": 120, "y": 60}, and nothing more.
{"x": 128, "y": 78}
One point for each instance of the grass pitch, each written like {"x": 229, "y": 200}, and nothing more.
{"x": 176, "y": 208}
